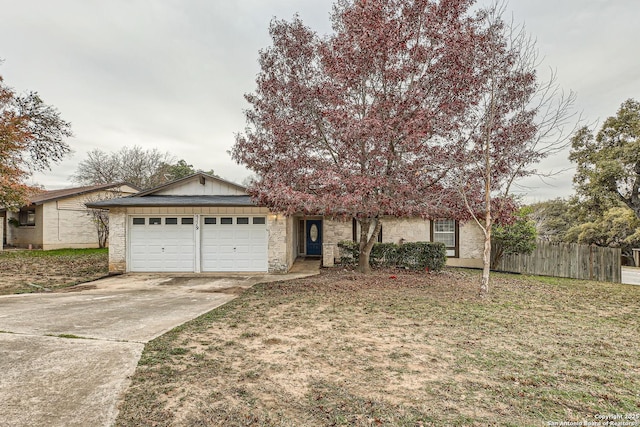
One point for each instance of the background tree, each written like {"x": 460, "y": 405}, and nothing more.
{"x": 553, "y": 218}
{"x": 604, "y": 222}
{"x": 517, "y": 122}
{"x": 178, "y": 170}
{"x": 618, "y": 227}
{"x": 31, "y": 139}
{"x": 134, "y": 165}
{"x": 359, "y": 123}
{"x": 143, "y": 168}
{"x": 608, "y": 166}
{"x": 517, "y": 237}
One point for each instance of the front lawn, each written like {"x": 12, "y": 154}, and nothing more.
{"x": 403, "y": 349}
{"x": 41, "y": 271}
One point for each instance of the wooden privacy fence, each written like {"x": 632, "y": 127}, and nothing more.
{"x": 567, "y": 260}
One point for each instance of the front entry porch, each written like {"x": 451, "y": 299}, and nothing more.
{"x": 306, "y": 266}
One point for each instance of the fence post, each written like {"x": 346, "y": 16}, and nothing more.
{"x": 591, "y": 261}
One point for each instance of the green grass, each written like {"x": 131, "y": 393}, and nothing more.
{"x": 27, "y": 271}
{"x": 37, "y": 253}
{"x": 344, "y": 349}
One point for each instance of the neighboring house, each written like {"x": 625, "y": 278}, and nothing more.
{"x": 58, "y": 218}
{"x": 202, "y": 223}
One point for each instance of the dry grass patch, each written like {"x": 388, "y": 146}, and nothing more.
{"x": 40, "y": 271}
{"x": 417, "y": 350}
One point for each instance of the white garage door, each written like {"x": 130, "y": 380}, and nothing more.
{"x": 234, "y": 243}
{"x": 172, "y": 243}
{"x": 162, "y": 244}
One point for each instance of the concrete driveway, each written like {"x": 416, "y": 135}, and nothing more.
{"x": 66, "y": 358}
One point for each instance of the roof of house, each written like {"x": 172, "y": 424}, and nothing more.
{"x": 150, "y": 198}
{"x": 154, "y": 201}
{"x": 48, "y": 196}
{"x": 187, "y": 178}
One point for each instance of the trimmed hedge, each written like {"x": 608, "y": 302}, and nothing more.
{"x": 410, "y": 255}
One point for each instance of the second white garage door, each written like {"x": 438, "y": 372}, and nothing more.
{"x": 212, "y": 243}
{"x": 234, "y": 243}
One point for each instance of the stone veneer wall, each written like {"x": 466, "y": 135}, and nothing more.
{"x": 395, "y": 230}
{"x": 292, "y": 250}
{"x": 117, "y": 240}
{"x": 334, "y": 231}
{"x": 471, "y": 246}
{"x": 280, "y": 253}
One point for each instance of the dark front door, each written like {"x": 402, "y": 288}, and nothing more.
{"x": 314, "y": 237}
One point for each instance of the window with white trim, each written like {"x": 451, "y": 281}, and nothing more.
{"x": 446, "y": 231}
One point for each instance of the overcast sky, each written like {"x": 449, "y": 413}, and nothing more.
{"x": 171, "y": 74}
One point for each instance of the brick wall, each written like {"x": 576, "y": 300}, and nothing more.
{"x": 68, "y": 225}
{"x": 26, "y": 235}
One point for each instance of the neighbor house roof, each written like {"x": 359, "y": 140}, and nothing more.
{"x": 48, "y": 196}
{"x": 155, "y": 201}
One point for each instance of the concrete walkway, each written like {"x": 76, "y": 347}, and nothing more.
{"x": 66, "y": 358}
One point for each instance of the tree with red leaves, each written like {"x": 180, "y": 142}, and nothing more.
{"x": 31, "y": 138}
{"x": 362, "y": 123}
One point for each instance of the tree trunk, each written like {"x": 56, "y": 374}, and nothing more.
{"x": 486, "y": 258}
{"x": 363, "y": 262}
{"x": 102, "y": 239}
{"x": 367, "y": 242}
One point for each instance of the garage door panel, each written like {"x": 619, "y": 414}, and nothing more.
{"x": 162, "y": 247}
{"x": 235, "y": 246}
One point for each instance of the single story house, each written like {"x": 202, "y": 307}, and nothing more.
{"x": 202, "y": 223}
{"x": 59, "y": 218}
